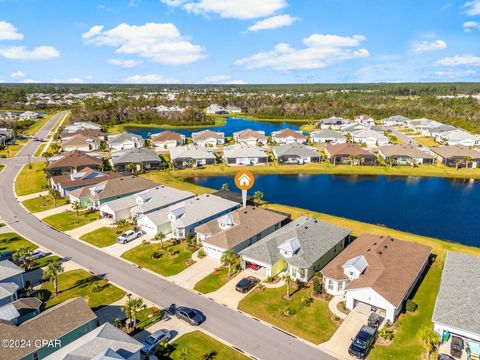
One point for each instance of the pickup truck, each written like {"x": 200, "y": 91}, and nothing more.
{"x": 129, "y": 235}
{"x": 363, "y": 342}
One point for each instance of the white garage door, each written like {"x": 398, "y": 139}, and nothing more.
{"x": 213, "y": 253}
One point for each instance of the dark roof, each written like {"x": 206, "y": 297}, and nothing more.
{"x": 75, "y": 159}
{"x": 232, "y": 196}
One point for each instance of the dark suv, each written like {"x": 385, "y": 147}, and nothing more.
{"x": 374, "y": 320}
{"x": 363, "y": 342}
{"x": 456, "y": 347}
{"x": 246, "y": 284}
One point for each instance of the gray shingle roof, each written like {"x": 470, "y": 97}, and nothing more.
{"x": 125, "y": 136}
{"x": 136, "y": 155}
{"x": 191, "y": 152}
{"x": 459, "y": 293}
{"x": 295, "y": 149}
{"x": 243, "y": 150}
{"x": 316, "y": 238}
{"x": 8, "y": 269}
{"x": 328, "y": 134}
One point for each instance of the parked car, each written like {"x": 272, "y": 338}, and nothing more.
{"x": 154, "y": 339}
{"x": 192, "y": 316}
{"x": 444, "y": 357}
{"x": 37, "y": 254}
{"x": 246, "y": 284}
{"x": 456, "y": 346}
{"x": 129, "y": 235}
{"x": 374, "y": 320}
{"x": 6, "y": 255}
{"x": 363, "y": 342}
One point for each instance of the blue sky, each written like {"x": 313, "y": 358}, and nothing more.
{"x": 239, "y": 41}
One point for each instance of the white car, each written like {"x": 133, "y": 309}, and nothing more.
{"x": 129, "y": 235}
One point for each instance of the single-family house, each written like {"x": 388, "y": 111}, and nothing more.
{"x": 116, "y": 188}
{"x": 20, "y": 310}
{"x": 456, "y": 308}
{"x": 28, "y": 115}
{"x": 125, "y": 141}
{"x": 436, "y": 131}
{"x": 191, "y": 155}
{"x": 288, "y": 136}
{"x": 182, "y": 218}
{"x": 327, "y": 136}
{"x": 405, "y": 154}
{"x": 250, "y": 137}
{"x": 81, "y": 143}
{"x": 457, "y": 156}
{"x": 215, "y": 109}
{"x": 364, "y": 119}
{"x": 73, "y": 161}
{"x": 56, "y": 327}
{"x": 6, "y": 135}
{"x": 136, "y": 160}
{"x": 64, "y": 136}
{"x": 371, "y": 138}
{"x": 143, "y": 202}
{"x": 11, "y": 280}
{"x": 376, "y": 270}
{"x": 243, "y": 154}
{"x": 456, "y": 137}
{"x": 103, "y": 343}
{"x": 301, "y": 247}
{"x": 82, "y": 125}
{"x": 237, "y": 230}
{"x": 167, "y": 140}
{"x": 295, "y": 154}
{"x": 334, "y": 123}
{"x": 85, "y": 177}
{"x": 396, "y": 120}
{"x": 349, "y": 153}
{"x": 208, "y": 138}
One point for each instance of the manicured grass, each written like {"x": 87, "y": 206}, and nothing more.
{"x": 143, "y": 319}
{"x": 312, "y": 322}
{"x": 39, "y": 150}
{"x": 12, "y": 150}
{"x": 38, "y": 124}
{"x": 95, "y": 291}
{"x": 31, "y": 181}
{"x": 42, "y": 262}
{"x": 213, "y": 281}
{"x": 426, "y": 141}
{"x": 102, "y": 237}
{"x": 166, "y": 265}
{"x": 199, "y": 346}
{"x": 68, "y": 220}
{"x": 117, "y": 129}
{"x": 12, "y": 242}
{"x": 42, "y": 203}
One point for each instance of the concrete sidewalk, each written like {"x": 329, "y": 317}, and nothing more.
{"x": 32, "y": 196}
{"x": 118, "y": 249}
{"x": 53, "y": 211}
{"x": 227, "y": 295}
{"x": 85, "y": 229}
{"x": 194, "y": 273}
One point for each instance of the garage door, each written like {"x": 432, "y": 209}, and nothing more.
{"x": 213, "y": 253}
{"x": 256, "y": 269}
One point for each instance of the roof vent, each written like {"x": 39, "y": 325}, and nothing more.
{"x": 368, "y": 250}
{"x": 385, "y": 246}
{"x": 380, "y": 253}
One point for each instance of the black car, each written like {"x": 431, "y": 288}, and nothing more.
{"x": 374, "y": 320}
{"x": 247, "y": 284}
{"x": 363, "y": 342}
{"x": 192, "y": 316}
{"x": 456, "y": 346}
{"x": 444, "y": 357}
{"x": 6, "y": 255}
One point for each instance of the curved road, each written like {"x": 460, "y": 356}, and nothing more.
{"x": 256, "y": 338}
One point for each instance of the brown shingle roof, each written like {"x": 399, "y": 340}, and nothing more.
{"x": 393, "y": 265}
{"x": 75, "y": 159}
{"x": 66, "y": 181}
{"x": 79, "y": 140}
{"x": 347, "y": 149}
{"x": 248, "y": 221}
{"x": 249, "y": 133}
{"x": 166, "y": 136}
{"x": 49, "y": 325}
{"x": 206, "y": 134}
{"x": 289, "y": 132}
{"x": 87, "y": 132}
{"x": 404, "y": 150}
{"x": 456, "y": 151}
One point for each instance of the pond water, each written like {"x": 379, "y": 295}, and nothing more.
{"x": 437, "y": 207}
{"x": 232, "y": 124}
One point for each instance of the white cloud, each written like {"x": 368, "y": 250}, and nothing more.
{"x": 232, "y": 9}
{"x": 222, "y": 79}
{"x": 9, "y": 32}
{"x": 422, "y": 46}
{"x": 150, "y": 79}
{"x": 320, "y": 51}
{"x": 273, "y": 22}
{"x": 161, "y": 43}
{"x": 125, "y": 63}
{"x": 18, "y": 74}
{"x": 471, "y": 25}
{"x": 73, "y": 80}
{"x": 460, "y": 60}
{"x": 453, "y": 74}
{"x": 472, "y": 7}
{"x": 22, "y": 53}
{"x": 29, "y": 81}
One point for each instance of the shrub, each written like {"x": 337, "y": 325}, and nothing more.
{"x": 269, "y": 279}
{"x": 117, "y": 323}
{"x": 156, "y": 255}
{"x": 317, "y": 287}
{"x": 97, "y": 288}
{"x": 201, "y": 253}
{"x": 145, "y": 242}
{"x": 306, "y": 300}
{"x": 411, "y": 306}
{"x": 386, "y": 333}
{"x": 289, "y": 311}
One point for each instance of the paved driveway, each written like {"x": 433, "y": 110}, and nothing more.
{"x": 57, "y": 210}
{"x": 118, "y": 249}
{"x": 227, "y": 295}
{"x": 194, "y": 273}
{"x": 85, "y": 229}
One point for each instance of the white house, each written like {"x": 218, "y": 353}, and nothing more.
{"x": 191, "y": 155}
{"x": 327, "y": 136}
{"x": 208, "y": 138}
{"x": 125, "y": 141}
{"x": 457, "y": 137}
{"x": 288, "y": 136}
{"x": 364, "y": 119}
{"x": 81, "y": 143}
{"x": 82, "y": 125}
{"x": 371, "y": 138}
{"x": 378, "y": 271}
{"x": 250, "y": 137}
{"x": 334, "y": 123}
{"x": 167, "y": 140}
{"x": 243, "y": 154}
{"x": 396, "y": 120}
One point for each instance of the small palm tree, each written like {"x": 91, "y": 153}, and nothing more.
{"x": 76, "y": 207}
{"x": 430, "y": 340}
{"x": 192, "y": 163}
{"x": 225, "y": 187}
{"x": 184, "y": 354}
{"x": 53, "y": 193}
{"x": 122, "y": 224}
{"x": 131, "y": 308}
{"x": 467, "y": 160}
{"x": 160, "y": 236}
{"x": 229, "y": 258}
{"x": 23, "y": 255}
{"x": 51, "y": 273}
{"x": 288, "y": 280}
{"x": 257, "y": 197}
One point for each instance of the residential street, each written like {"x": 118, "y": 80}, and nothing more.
{"x": 249, "y": 335}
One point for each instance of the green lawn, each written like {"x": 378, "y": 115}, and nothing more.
{"x": 213, "y": 281}
{"x": 31, "y": 181}
{"x": 69, "y": 220}
{"x": 12, "y": 150}
{"x": 166, "y": 265}
{"x": 12, "y": 242}
{"x": 102, "y": 237}
{"x": 42, "y": 203}
{"x": 38, "y": 124}
{"x": 39, "y": 150}
{"x": 144, "y": 320}
{"x": 312, "y": 322}
{"x": 42, "y": 262}
{"x": 199, "y": 346}
{"x": 426, "y": 141}
{"x": 74, "y": 283}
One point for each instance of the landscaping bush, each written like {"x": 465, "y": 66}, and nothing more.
{"x": 386, "y": 333}
{"x": 117, "y": 323}
{"x": 317, "y": 287}
{"x": 269, "y": 280}
{"x": 201, "y": 253}
{"x": 306, "y": 300}
{"x": 411, "y": 306}
{"x": 156, "y": 255}
{"x": 289, "y": 311}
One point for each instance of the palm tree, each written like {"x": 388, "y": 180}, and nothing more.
{"x": 76, "y": 207}
{"x": 229, "y": 258}
{"x": 122, "y": 224}
{"x": 458, "y": 162}
{"x": 430, "y": 340}
{"x": 23, "y": 255}
{"x": 160, "y": 236}
{"x": 131, "y": 307}
{"x": 257, "y": 196}
{"x": 467, "y": 160}
{"x": 225, "y": 187}
{"x": 53, "y": 193}
{"x": 288, "y": 280}
{"x": 192, "y": 162}
{"x": 51, "y": 273}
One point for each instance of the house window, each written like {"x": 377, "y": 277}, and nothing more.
{"x": 35, "y": 355}
{"x": 340, "y": 285}
{"x": 330, "y": 284}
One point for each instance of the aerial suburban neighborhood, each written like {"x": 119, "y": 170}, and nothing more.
{"x": 232, "y": 180}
